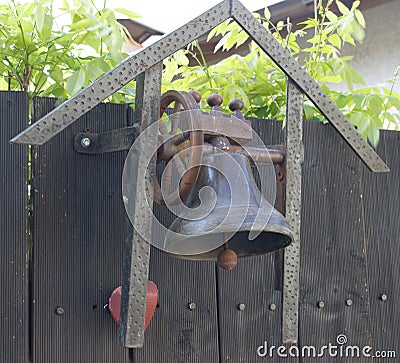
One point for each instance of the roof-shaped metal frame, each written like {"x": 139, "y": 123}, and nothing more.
{"x": 68, "y": 112}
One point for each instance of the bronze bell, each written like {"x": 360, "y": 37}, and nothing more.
{"x": 226, "y": 189}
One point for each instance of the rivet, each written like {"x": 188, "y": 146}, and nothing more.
{"x": 349, "y": 302}
{"x": 85, "y": 142}
{"x": 321, "y": 304}
{"x": 383, "y": 297}
{"x": 192, "y": 306}
{"x": 60, "y": 310}
{"x": 272, "y": 307}
{"x": 241, "y": 306}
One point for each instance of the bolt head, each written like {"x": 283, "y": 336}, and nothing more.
{"x": 272, "y": 307}
{"x": 383, "y": 297}
{"x": 192, "y": 306}
{"x": 60, "y": 310}
{"x": 321, "y": 304}
{"x": 85, "y": 142}
{"x": 241, "y": 306}
{"x": 349, "y": 302}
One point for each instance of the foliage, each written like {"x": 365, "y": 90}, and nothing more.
{"x": 43, "y": 58}
{"x": 262, "y": 85}
{"x": 47, "y": 59}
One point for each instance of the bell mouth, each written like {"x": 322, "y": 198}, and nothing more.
{"x": 265, "y": 243}
{"x": 271, "y": 234}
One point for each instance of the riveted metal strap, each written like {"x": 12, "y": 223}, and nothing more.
{"x": 137, "y": 250}
{"x": 294, "y": 160}
{"x": 107, "y": 142}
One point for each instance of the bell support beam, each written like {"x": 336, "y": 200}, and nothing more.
{"x": 294, "y": 161}
{"x": 137, "y": 249}
{"x": 299, "y": 75}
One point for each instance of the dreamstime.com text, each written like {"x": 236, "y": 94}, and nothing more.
{"x": 340, "y": 350}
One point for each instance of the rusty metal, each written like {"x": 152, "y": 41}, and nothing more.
{"x": 280, "y": 169}
{"x": 274, "y": 234}
{"x": 236, "y": 105}
{"x": 195, "y": 135}
{"x": 294, "y": 160}
{"x": 137, "y": 250}
{"x": 215, "y": 100}
{"x": 227, "y": 258}
{"x": 261, "y": 155}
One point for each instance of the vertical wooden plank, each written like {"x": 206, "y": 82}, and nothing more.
{"x": 14, "y": 321}
{"x": 381, "y": 202}
{"x": 333, "y": 290}
{"x": 78, "y": 237}
{"x": 242, "y": 332}
{"x": 179, "y": 332}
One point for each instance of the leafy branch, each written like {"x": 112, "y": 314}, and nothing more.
{"x": 262, "y": 85}
{"x": 42, "y": 58}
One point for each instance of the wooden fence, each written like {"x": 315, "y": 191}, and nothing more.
{"x": 66, "y": 252}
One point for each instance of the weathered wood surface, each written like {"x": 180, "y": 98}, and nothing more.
{"x": 14, "y": 318}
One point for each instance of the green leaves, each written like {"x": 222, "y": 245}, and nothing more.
{"x": 262, "y": 86}
{"x": 44, "y": 59}
{"x": 128, "y": 13}
{"x": 75, "y": 82}
{"x": 39, "y": 15}
{"x": 342, "y": 8}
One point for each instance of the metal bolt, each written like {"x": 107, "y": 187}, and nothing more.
{"x": 241, "y": 306}
{"x": 192, "y": 306}
{"x": 85, "y": 142}
{"x": 321, "y": 304}
{"x": 60, "y": 310}
{"x": 349, "y": 302}
{"x": 383, "y": 297}
{"x": 272, "y": 307}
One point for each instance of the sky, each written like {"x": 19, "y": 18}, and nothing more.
{"x": 168, "y": 15}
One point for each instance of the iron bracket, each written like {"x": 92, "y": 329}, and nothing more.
{"x": 107, "y": 142}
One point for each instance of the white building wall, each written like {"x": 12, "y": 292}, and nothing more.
{"x": 378, "y": 57}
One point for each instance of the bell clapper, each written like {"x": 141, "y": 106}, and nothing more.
{"x": 227, "y": 259}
